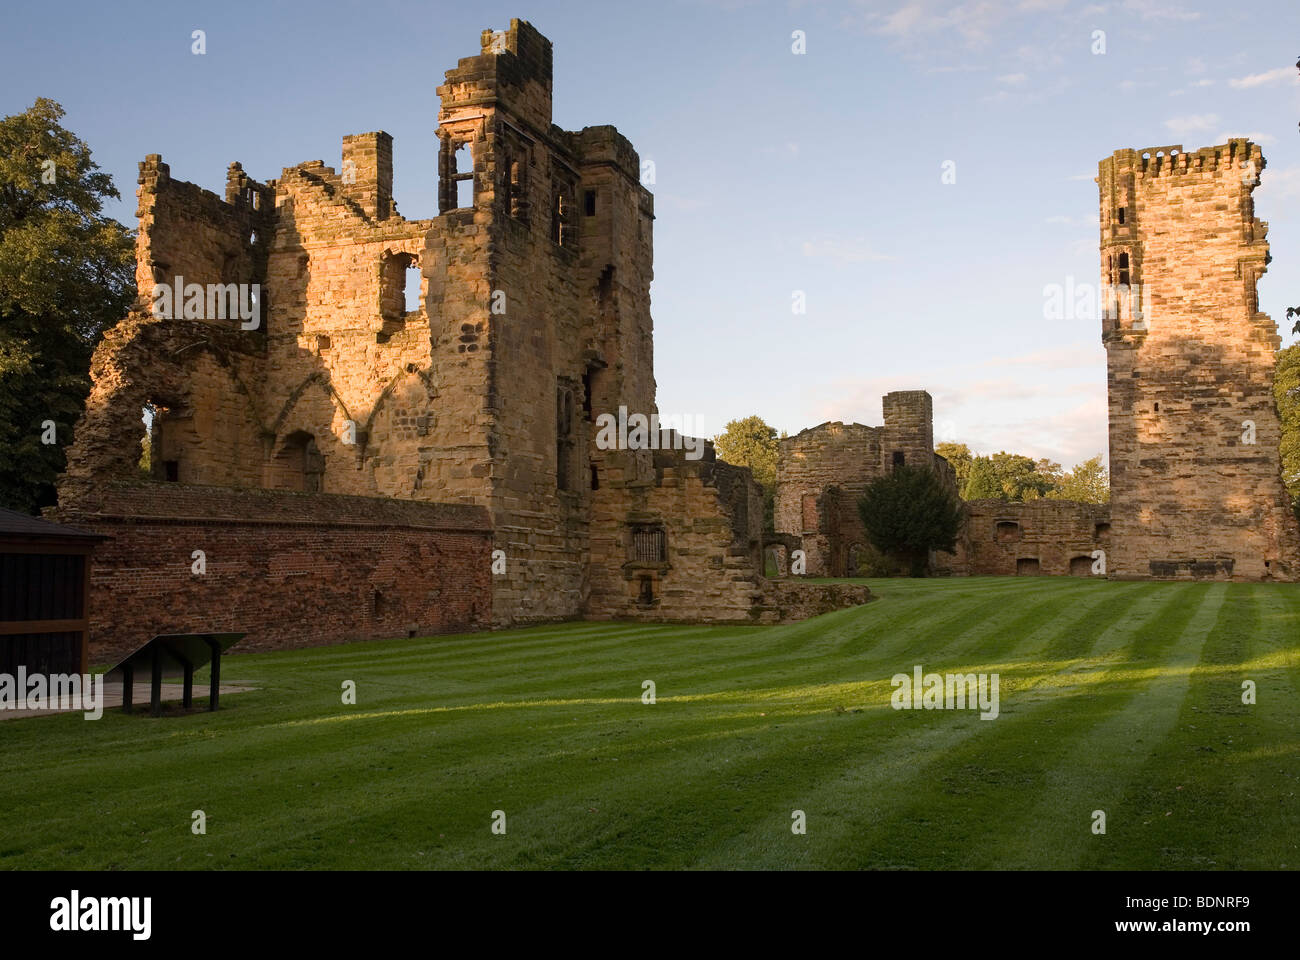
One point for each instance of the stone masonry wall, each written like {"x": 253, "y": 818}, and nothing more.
{"x": 532, "y": 318}
{"x": 822, "y": 471}
{"x": 1048, "y": 537}
{"x": 1190, "y": 369}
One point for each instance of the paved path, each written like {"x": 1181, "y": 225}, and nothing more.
{"x": 171, "y": 693}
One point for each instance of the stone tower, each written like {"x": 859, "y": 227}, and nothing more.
{"x": 1196, "y": 488}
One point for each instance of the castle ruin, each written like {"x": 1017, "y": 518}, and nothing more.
{"x": 408, "y": 463}
{"x": 1196, "y": 484}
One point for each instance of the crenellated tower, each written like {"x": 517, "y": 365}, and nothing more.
{"x": 1196, "y": 487}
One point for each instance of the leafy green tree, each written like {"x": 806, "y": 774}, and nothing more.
{"x": 959, "y": 455}
{"x": 908, "y": 513}
{"x": 1088, "y": 482}
{"x": 1019, "y": 477}
{"x": 66, "y": 274}
{"x": 981, "y": 482}
{"x": 752, "y": 443}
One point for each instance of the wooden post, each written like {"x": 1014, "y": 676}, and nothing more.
{"x": 128, "y": 684}
{"x": 188, "y": 700}
{"x": 156, "y": 686}
{"x": 215, "y": 688}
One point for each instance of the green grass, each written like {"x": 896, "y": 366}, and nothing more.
{"x": 1122, "y": 697}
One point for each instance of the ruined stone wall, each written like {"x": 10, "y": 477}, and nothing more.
{"x": 1190, "y": 369}
{"x": 821, "y": 473}
{"x": 1047, "y": 537}
{"x": 533, "y": 318}
{"x": 711, "y": 517}
{"x": 290, "y": 569}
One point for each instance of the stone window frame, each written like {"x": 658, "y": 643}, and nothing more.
{"x": 1003, "y": 522}
{"x": 392, "y": 282}
{"x": 647, "y": 545}
{"x": 566, "y": 436}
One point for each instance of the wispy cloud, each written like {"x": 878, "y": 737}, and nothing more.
{"x": 1263, "y": 139}
{"x": 841, "y": 250}
{"x": 1267, "y": 78}
{"x": 1158, "y": 10}
{"x": 1192, "y": 123}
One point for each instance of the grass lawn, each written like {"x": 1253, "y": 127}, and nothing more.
{"x": 1122, "y": 697}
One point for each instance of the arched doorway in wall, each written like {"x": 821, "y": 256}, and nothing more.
{"x": 857, "y": 554}
{"x": 1028, "y": 567}
{"x": 298, "y": 464}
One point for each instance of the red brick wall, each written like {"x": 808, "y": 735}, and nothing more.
{"x": 290, "y": 570}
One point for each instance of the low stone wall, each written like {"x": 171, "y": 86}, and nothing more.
{"x": 289, "y": 569}
{"x": 1038, "y": 537}
{"x": 788, "y": 600}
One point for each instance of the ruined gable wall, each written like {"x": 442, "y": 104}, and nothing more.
{"x": 1189, "y": 497}
{"x": 836, "y": 455}
{"x": 205, "y": 371}
{"x": 711, "y": 515}
{"x": 341, "y": 345}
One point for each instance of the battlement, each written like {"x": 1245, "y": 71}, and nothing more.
{"x": 1172, "y": 160}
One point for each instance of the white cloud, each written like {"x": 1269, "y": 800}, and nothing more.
{"x": 1263, "y": 139}
{"x": 1280, "y": 184}
{"x": 1012, "y": 79}
{"x": 1192, "y": 123}
{"x": 1263, "y": 79}
{"x": 1206, "y": 82}
{"x": 840, "y": 250}
{"x": 1158, "y": 10}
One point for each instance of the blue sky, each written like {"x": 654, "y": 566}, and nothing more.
{"x": 775, "y": 172}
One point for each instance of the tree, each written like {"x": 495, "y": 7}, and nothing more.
{"x": 1019, "y": 477}
{"x": 752, "y": 443}
{"x": 66, "y": 274}
{"x": 1088, "y": 482}
{"x": 959, "y": 455}
{"x": 981, "y": 482}
{"x": 908, "y": 513}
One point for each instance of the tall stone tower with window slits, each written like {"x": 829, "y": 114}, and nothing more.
{"x": 1196, "y": 485}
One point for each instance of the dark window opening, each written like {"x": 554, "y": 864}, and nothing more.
{"x": 898, "y": 459}
{"x": 649, "y": 545}
{"x": 589, "y": 203}
{"x": 1121, "y": 214}
{"x": 1101, "y": 529}
{"x": 595, "y": 478}
{"x": 564, "y": 445}
{"x": 586, "y": 394}
{"x": 647, "y": 594}
{"x": 172, "y": 471}
{"x": 1007, "y": 531}
{"x": 1123, "y": 269}
{"x": 562, "y": 231}
{"x": 299, "y": 465}
{"x": 517, "y": 192}
{"x": 1157, "y": 406}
